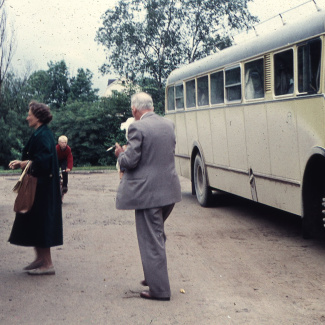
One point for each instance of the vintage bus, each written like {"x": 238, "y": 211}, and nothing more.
{"x": 250, "y": 120}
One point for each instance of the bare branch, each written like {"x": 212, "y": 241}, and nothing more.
{"x": 7, "y": 43}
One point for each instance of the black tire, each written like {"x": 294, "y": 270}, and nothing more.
{"x": 314, "y": 192}
{"x": 312, "y": 222}
{"x": 202, "y": 190}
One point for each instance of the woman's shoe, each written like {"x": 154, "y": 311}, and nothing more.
{"x": 40, "y": 271}
{"x": 33, "y": 265}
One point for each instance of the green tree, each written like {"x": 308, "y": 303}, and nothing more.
{"x": 14, "y": 130}
{"x": 81, "y": 87}
{"x": 153, "y": 37}
{"x": 39, "y": 86}
{"x": 58, "y": 83}
{"x": 46, "y": 86}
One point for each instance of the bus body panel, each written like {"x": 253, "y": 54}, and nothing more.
{"x": 181, "y": 135}
{"x": 219, "y": 137}
{"x": 283, "y": 139}
{"x": 230, "y": 181}
{"x": 236, "y": 138}
{"x": 280, "y": 195}
{"x": 204, "y": 135}
{"x": 258, "y": 151}
{"x": 311, "y": 127}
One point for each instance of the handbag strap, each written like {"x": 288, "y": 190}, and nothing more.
{"x": 25, "y": 170}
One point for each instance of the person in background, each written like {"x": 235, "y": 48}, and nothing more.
{"x": 65, "y": 160}
{"x": 151, "y": 187}
{"x": 41, "y": 227}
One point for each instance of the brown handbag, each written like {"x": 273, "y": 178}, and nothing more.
{"x": 26, "y": 188}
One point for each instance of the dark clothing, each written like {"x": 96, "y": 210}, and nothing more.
{"x": 65, "y": 161}
{"x": 65, "y": 155}
{"x": 42, "y": 225}
{"x": 63, "y": 166}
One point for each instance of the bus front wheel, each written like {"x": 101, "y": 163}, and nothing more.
{"x": 202, "y": 190}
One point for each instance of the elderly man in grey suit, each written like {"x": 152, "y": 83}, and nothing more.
{"x": 151, "y": 187}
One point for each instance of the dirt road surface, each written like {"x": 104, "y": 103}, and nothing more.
{"x": 238, "y": 263}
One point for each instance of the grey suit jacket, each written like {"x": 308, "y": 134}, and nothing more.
{"x": 150, "y": 179}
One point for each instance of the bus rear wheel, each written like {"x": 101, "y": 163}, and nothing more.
{"x": 202, "y": 190}
{"x": 313, "y": 197}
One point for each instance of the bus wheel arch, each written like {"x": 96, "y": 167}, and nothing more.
{"x": 313, "y": 191}
{"x": 200, "y": 184}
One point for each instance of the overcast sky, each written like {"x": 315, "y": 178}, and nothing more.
{"x": 65, "y": 29}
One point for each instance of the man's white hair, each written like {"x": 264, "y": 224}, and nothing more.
{"x": 142, "y": 101}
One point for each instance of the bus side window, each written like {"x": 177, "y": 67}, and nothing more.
{"x": 254, "y": 79}
{"x": 170, "y": 99}
{"x": 283, "y": 73}
{"x": 309, "y": 58}
{"x": 203, "y": 91}
{"x": 217, "y": 88}
{"x": 190, "y": 94}
{"x": 179, "y": 97}
{"x": 233, "y": 84}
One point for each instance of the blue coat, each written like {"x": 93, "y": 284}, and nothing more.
{"x": 42, "y": 225}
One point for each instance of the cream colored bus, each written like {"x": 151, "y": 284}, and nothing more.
{"x": 250, "y": 120}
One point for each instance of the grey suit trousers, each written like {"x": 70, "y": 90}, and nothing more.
{"x": 151, "y": 239}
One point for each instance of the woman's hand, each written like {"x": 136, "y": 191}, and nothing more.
{"x": 15, "y": 164}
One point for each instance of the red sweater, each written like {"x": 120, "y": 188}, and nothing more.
{"x": 65, "y": 155}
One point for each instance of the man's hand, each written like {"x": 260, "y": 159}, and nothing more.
{"x": 118, "y": 149}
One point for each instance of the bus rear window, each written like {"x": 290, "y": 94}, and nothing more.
{"x": 309, "y": 58}
{"x": 254, "y": 79}
{"x": 190, "y": 94}
{"x": 217, "y": 88}
{"x": 203, "y": 91}
{"x": 170, "y": 99}
{"x": 179, "y": 97}
{"x": 283, "y": 73}
{"x": 233, "y": 84}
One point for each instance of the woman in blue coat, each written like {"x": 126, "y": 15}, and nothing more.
{"x": 41, "y": 227}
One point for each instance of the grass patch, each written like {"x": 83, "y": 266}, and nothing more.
{"x": 90, "y": 168}
{"x": 75, "y": 169}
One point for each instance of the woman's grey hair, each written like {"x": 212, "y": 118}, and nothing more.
{"x": 142, "y": 101}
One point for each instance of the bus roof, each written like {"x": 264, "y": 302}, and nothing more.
{"x": 288, "y": 34}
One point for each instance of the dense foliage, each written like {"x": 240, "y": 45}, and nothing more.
{"x": 91, "y": 124}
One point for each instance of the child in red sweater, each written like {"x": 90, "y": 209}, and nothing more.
{"x": 65, "y": 160}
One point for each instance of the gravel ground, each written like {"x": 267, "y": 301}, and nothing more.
{"x": 238, "y": 263}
